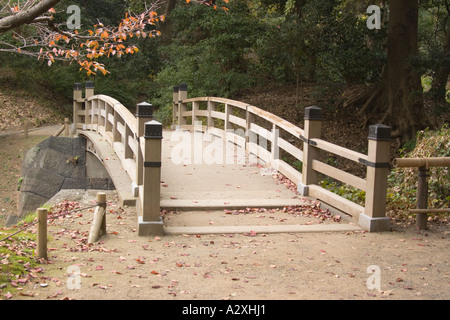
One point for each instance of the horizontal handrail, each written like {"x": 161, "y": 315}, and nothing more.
{"x": 120, "y": 109}
{"x": 421, "y": 162}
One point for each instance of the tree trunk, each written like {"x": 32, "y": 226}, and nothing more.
{"x": 397, "y": 100}
{"x": 438, "y": 87}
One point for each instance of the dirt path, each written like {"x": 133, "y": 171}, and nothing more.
{"x": 410, "y": 264}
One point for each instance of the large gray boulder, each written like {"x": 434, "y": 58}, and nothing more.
{"x": 55, "y": 164}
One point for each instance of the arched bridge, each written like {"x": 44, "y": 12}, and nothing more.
{"x": 220, "y": 155}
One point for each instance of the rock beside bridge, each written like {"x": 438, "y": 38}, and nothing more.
{"x": 55, "y": 164}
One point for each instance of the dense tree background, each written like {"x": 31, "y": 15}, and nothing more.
{"x": 239, "y": 45}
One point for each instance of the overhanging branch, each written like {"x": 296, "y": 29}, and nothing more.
{"x": 27, "y": 16}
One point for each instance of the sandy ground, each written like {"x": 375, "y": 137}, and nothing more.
{"x": 408, "y": 264}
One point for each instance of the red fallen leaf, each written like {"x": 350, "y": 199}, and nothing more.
{"x": 173, "y": 198}
{"x": 165, "y": 185}
{"x": 154, "y": 272}
{"x": 99, "y": 267}
{"x": 252, "y": 233}
{"x": 8, "y": 295}
{"x": 140, "y": 261}
{"x": 22, "y": 281}
{"x": 323, "y": 251}
{"x": 156, "y": 286}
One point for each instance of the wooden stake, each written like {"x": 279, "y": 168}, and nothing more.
{"x": 25, "y": 129}
{"x": 66, "y": 127}
{"x": 98, "y": 227}
{"x": 41, "y": 235}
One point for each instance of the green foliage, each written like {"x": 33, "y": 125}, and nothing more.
{"x": 348, "y": 192}
{"x": 16, "y": 257}
{"x": 403, "y": 181}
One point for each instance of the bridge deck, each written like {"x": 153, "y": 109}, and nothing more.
{"x": 210, "y": 187}
{"x": 222, "y": 186}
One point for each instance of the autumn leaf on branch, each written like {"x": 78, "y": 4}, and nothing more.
{"x": 50, "y": 41}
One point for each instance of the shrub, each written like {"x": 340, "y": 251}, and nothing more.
{"x": 403, "y": 181}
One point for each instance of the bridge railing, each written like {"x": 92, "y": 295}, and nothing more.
{"x": 267, "y": 137}
{"x": 136, "y": 140}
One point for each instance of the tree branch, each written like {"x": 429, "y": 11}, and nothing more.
{"x": 27, "y": 16}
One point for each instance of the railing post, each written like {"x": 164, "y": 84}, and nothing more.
{"x": 150, "y": 223}
{"x": 144, "y": 113}
{"x": 374, "y": 217}
{"x": 250, "y": 136}
{"x": 312, "y": 129}
{"x": 182, "y": 95}
{"x": 211, "y": 108}
{"x": 89, "y": 92}
{"x": 41, "y": 235}
{"x": 274, "y": 149}
{"x": 174, "y": 107}
{"x": 77, "y": 104}
{"x": 195, "y": 108}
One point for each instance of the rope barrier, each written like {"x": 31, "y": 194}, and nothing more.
{"x": 50, "y": 217}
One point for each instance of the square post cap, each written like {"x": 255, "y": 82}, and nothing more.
{"x": 175, "y": 88}
{"x": 153, "y": 130}
{"x": 144, "y": 109}
{"x": 313, "y": 113}
{"x": 379, "y": 132}
{"x": 183, "y": 87}
{"x": 77, "y": 86}
{"x": 89, "y": 85}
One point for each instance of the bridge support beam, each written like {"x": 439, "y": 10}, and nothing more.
{"x": 150, "y": 223}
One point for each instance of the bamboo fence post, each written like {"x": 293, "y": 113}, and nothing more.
{"x": 41, "y": 235}
{"x": 422, "y": 198}
{"x": 98, "y": 227}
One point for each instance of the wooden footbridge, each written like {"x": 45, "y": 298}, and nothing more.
{"x": 213, "y": 139}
